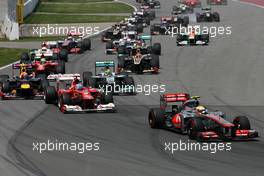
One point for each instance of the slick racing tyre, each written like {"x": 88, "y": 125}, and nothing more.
{"x": 87, "y": 44}
{"x": 5, "y": 87}
{"x": 195, "y": 125}
{"x": 156, "y": 48}
{"x": 63, "y": 55}
{"x": 156, "y": 118}
{"x": 24, "y": 58}
{"x": 50, "y": 95}
{"x": 88, "y": 81}
{"x": 154, "y": 61}
{"x": 3, "y": 78}
{"x": 107, "y": 98}
{"x": 242, "y": 123}
{"x": 61, "y": 67}
{"x": 216, "y": 17}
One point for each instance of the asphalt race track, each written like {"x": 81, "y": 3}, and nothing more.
{"x": 227, "y": 74}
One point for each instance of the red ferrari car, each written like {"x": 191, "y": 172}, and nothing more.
{"x": 191, "y": 3}
{"x": 71, "y": 96}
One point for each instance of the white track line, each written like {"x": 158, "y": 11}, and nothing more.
{"x": 248, "y": 3}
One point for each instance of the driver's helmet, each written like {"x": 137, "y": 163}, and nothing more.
{"x": 192, "y": 103}
{"x": 107, "y": 71}
{"x": 42, "y": 60}
{"x": 75, "y": 81}
{"x": 23, "y": 74}
{"x": 70, "y": 38}
{"x": 79, "y": 86}
{"x": 201, "y": 109}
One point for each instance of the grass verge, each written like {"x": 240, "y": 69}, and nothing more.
{"x": 9, "y": 55}
{"x": 76, "y": 1}
{"x": 62, "y": 19}
{"x": 114, "y": 7}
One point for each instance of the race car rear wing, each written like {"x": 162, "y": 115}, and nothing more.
{"x": 174, "y": 97}
{"x": 63, "y": 77}
{"x": 103, "y": 64}
{"x": 21, "y": 67}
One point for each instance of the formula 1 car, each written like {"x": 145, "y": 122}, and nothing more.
{"x": 44, "y": 51}
{"x": 111, "y": 34}
{"x": 127, "y": 41}
{"x": 192, "y": 38}
{"x": 207, "y": 16}
{"x": 106, "y": 79}
{"x": 18, "y": 87}
{"x": 168, "y": 25}
{"x": 56, "y": 48}
{"x": 191, "y": 3}
{"x": 74, "y": 43}
{"x": 71, "y": 96}
{"x": 139, "y": 60}
{"x": 44, "y": 64}
{"x": 149, "y": 14}
{"x": 217, "y": 2}
{"x": 181, "y": 113}
{"x": 150, "y": 4}
{"x": 182, "y": 9}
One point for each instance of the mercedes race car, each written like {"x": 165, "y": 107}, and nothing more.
{"x": 192, "y": 38}
{"x": 184, "y": 114}
{"x": 150, "y": 4}
{"x": 68, "y": 92}
{"x": 24, "y": 86}
{"x": 191, "y": 3}
{"x": 217, "y": 2}
{"x": 207, "y": 16}
{"x": 182, "y": 9}
{"x": 106, "y": 79}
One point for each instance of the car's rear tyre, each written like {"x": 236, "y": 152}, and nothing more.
{"x": 154, "y": 61}
{"x": 109, "y": 45}
{"x": 3, "y": 78}
{"x": 185, "y": 21}
{"x": 50, "y": 95}
{"x": 194, "y": 126}
{"x": 24, "y": 58}
{"x": 139, "y": 28}
{"x": 122, "y": 50}
{"x": 156, "y": 48}
{"x": 216, "y": 17}
{"x": 44, "y": 84}
{"x": 5, "y": 87}
{"x": 87, "y": 44}
{"x": 121, "y": 62}
{"x": 63, "y": 55}
{"x": 88, "y": 81}
{"x": 61, "y": 67}
{"x": 156, "y": 118}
